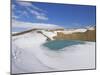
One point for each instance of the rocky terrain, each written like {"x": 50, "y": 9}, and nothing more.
{"x": 89, "y": 35}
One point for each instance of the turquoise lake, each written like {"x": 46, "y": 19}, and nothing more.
{"x": 60, "y": 44}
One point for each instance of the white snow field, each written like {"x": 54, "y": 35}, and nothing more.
{"x": 29, "y": 55}
{"x": 73, "y": 31}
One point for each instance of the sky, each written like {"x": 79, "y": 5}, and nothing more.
{"x": 63, "y": 15}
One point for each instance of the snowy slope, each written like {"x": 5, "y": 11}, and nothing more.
{"x": 28, "y": 55}
{"x": 49, "y": 34}
{"x": 81, "y": 30}
{"x": 72, "y": 31}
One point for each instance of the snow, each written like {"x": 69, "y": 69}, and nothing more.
{"x": 49, "y": 34}
{"x": 91, "y": 28}
{"x": 80, "y": 30}
{"x": 28, "y": 55}
{"x": 73, "y": 31}
{"x": 14, "y": 32}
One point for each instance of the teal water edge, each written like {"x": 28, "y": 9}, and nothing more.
{"x": 59, "y": 44}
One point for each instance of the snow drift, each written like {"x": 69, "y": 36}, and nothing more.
{"x": 29, "y": 55}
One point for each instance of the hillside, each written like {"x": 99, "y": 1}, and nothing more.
{"x": 75, "y": 34}
{"x": 89, "y": 35}
{"x": 29, "y": 54}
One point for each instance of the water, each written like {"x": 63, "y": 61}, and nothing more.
{"x": 59, "y": 44}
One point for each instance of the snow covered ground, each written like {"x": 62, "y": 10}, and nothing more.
{"x": 73, "y": 31}
{"x": 81, "y": 30}
{"x": 28, "y": 55}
